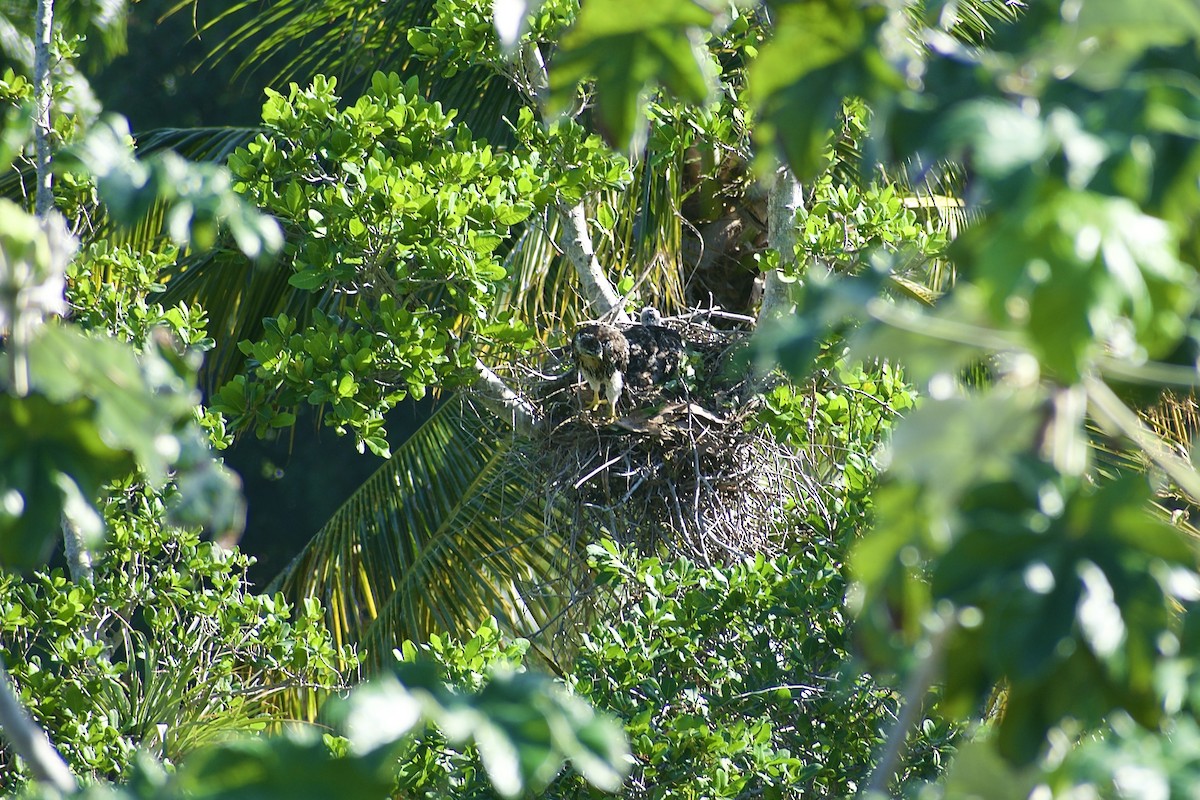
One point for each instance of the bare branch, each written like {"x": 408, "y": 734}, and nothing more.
{"x": 43, "y": 31}
{"x": 79, "y": 560}
{"x": 30, "y": 742}
{"x": 597, "y": 288}
{"x": 601, "y": 295}
{"x": 783, "y": 200}
{"x": 504, "y": 402}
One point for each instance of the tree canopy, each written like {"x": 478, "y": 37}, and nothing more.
{"x": 935, "y": 265}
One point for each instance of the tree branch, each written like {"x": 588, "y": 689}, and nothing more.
{"x": 30, "y": 742}
{"x": 504, "y": 402}
{"x": 577, "y": 242}
{"x": 598, "y": 290}
{"x": 79, "y": 560}
{"x": 783, "y": 199}
{"x": 42, "y": 94}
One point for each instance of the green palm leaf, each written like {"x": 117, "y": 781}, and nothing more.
{"x": 351, "y": 41}
{"x": 443, "y": 535}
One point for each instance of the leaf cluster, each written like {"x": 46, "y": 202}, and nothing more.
{"x": 165, "y": 650}
{"x": 735, "y": 680}
{"x": 396, "y": 218}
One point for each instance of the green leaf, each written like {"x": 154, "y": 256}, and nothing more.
{"x": 50, "y": 453}
{"x": 295, "y": 765}
{"x": 628, "y": 46}
{"x": 823, "y": 51}
{"x": 138, "y": 405}
{"x": 1081, "y": 271}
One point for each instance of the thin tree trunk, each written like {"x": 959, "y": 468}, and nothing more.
{"x": 599, "y": 291}
{"x": 28, "y": 740}
{"x": 783, "y": 200}
{"x": 78, "y": 560}
{"x": 601, "y": 295}
{"x": 42, "y": 93}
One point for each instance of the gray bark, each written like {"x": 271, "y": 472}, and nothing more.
{"x": 783, "y": 200}
{"x": 42, "y": 93}
{"x": 502, "y": 401}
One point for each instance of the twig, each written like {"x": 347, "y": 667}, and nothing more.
{"x": 598, "y": 470}
{"x": 30, "y": 742}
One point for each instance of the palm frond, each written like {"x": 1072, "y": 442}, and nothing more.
{"x": 238, "y": 295}
{"x": 443, "y": 535}
{"x": 351, "y": 41}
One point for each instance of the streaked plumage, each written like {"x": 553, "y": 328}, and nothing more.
{"x": 601, "y": 356}
{"x": 634, "y": 360}
{"x": 655, "y": 352}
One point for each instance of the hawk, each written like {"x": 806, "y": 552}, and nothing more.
{"x": 655, "y": 353}
{"x": 641, "y": 358}
{"x": 601, "y": 356}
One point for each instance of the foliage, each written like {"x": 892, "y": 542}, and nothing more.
{"x": 738, "y": 680}
{"x": 162, "y": 641}
{"x": 523, "y": 725}
{"x": 728, "y": 680}
{"x": 164, "y": 651}
{"x": 997, "y": 555}
{"x": 197, "y": 198}
{"x": 847, "y": 410}
{"x": 399, "y": 214}
{"x": 993, "y": 544}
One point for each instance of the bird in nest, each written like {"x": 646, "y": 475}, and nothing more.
{"x": 641, "y": 357}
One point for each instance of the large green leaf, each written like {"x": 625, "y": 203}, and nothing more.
{"x": 822, "y": 52}
{"x": 629, "y": 46}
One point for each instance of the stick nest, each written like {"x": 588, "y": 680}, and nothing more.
{"x": 684, "y": 466}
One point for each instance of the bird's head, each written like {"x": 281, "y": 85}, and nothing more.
{"x": 587, "y": 341}
{"x": 650, "y": 316}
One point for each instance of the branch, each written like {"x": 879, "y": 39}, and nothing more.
{"x": 783, "y": 199}
{"x": 30, "y": 742}
{"x": 42, "y": 93}
{"x": 79, "y": 560}
{"x": 598, "y": 290}
{"x": 536, "y": 76}
{"x": 504, "y": 402}
{"x": 577, "y": 242}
